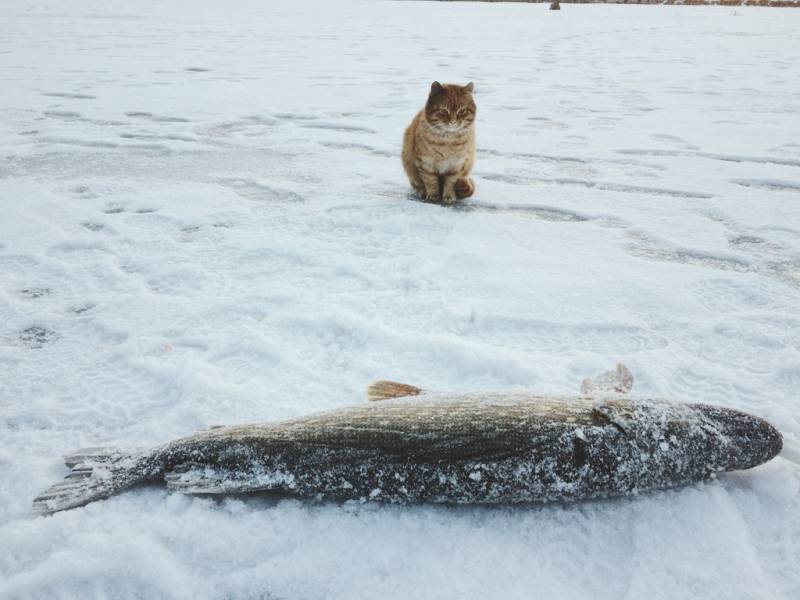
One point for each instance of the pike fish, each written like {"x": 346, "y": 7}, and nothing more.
{"x": 409, "y": 445}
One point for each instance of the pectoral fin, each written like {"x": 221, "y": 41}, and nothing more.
{"x": 607, "y": 413}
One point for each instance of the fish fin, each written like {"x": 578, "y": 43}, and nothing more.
{"x": 96, "y": 473}
{"x": 203, "y": 479}
{"x": 608, "y": 414}
{"x": 384, "y": 390}
{"x": 611, "y": 383}
{"x": 99, "y": 453}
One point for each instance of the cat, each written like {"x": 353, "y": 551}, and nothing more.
{"x": 439, "y": 144}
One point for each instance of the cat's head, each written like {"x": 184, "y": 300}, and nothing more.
{"x": 450, "y": 108}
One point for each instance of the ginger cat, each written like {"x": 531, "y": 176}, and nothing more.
{"x": 439, "y": 145}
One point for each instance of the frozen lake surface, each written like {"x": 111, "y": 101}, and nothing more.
{"x": 205, "y": 221}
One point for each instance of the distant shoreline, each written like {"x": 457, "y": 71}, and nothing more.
{"x": 761, "y": 3}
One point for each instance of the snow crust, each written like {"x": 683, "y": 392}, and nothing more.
{"x": 205, "y": 221}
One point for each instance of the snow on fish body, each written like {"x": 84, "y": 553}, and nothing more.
{"x": 454, "y": 448}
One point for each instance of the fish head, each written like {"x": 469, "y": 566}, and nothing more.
{"x": 748, "y": 440}
{"x": 712, "y": 438}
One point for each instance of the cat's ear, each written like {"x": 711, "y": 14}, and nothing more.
{"x": 469, "y": 87}
{"x": 436, "y": 88}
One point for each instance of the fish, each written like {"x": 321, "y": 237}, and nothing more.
{"x": 409, "y": 445}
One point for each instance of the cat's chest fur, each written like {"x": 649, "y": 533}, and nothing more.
{"x": 445, "y": 155}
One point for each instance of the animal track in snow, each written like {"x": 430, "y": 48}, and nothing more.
{"x": 81, "y": 191}
{"x": 152, "y": 137}
{"x": 69, "y": 95}
{"x": 70, "y": 116}
{"x": 155, "y": 118}
{"x": 295, "y": 117}
{"x": 598, "y": 185}
{"x": 82, "y": 308}
{"x": 545, "y": 213}
{"x": 36, "y": 292}
{"x": 777, "y": 185}
{"x": 338, "y": 127}
{"x": 690, "y": 257}
{"x": 754, "y": 245}
{"x": 776, "y": 160}
{"x": 363, "y": 148}
{"x": 63, "y": 115}
{"x": 36, "y": 337}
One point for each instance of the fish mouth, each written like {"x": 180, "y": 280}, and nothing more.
{"x": 751, "y": 440}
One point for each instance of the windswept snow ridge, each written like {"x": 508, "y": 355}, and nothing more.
{"x": 205, "y": 221}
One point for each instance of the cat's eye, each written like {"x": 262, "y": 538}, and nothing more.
{"x": 443, "y": 112}
{"x": 462, "y": 112}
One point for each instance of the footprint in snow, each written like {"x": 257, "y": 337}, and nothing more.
{"x": 81, "y": 191}
{"x": 82, "y": 308}
{"x": 36, "y": 292}
{"x": 36, "y": 337}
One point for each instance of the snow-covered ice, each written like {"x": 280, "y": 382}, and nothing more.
{"x": 205, "y": 221}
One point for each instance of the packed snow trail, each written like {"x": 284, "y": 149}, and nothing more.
{"x": 205, "y": 221}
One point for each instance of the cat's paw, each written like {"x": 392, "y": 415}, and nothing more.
{"x": 449, "y": 198}
{"x": 432, "y": 197}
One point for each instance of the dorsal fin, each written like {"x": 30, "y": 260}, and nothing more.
{"x": 384, "y": 390}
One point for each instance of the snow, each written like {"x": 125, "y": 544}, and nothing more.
{"x": 205, "y": 221}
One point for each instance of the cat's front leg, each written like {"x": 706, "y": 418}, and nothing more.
{"x": 431, "y": 183}
{"x": 448, "y": 188}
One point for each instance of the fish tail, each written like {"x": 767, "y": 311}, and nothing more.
{"x": 96, "y": 473}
